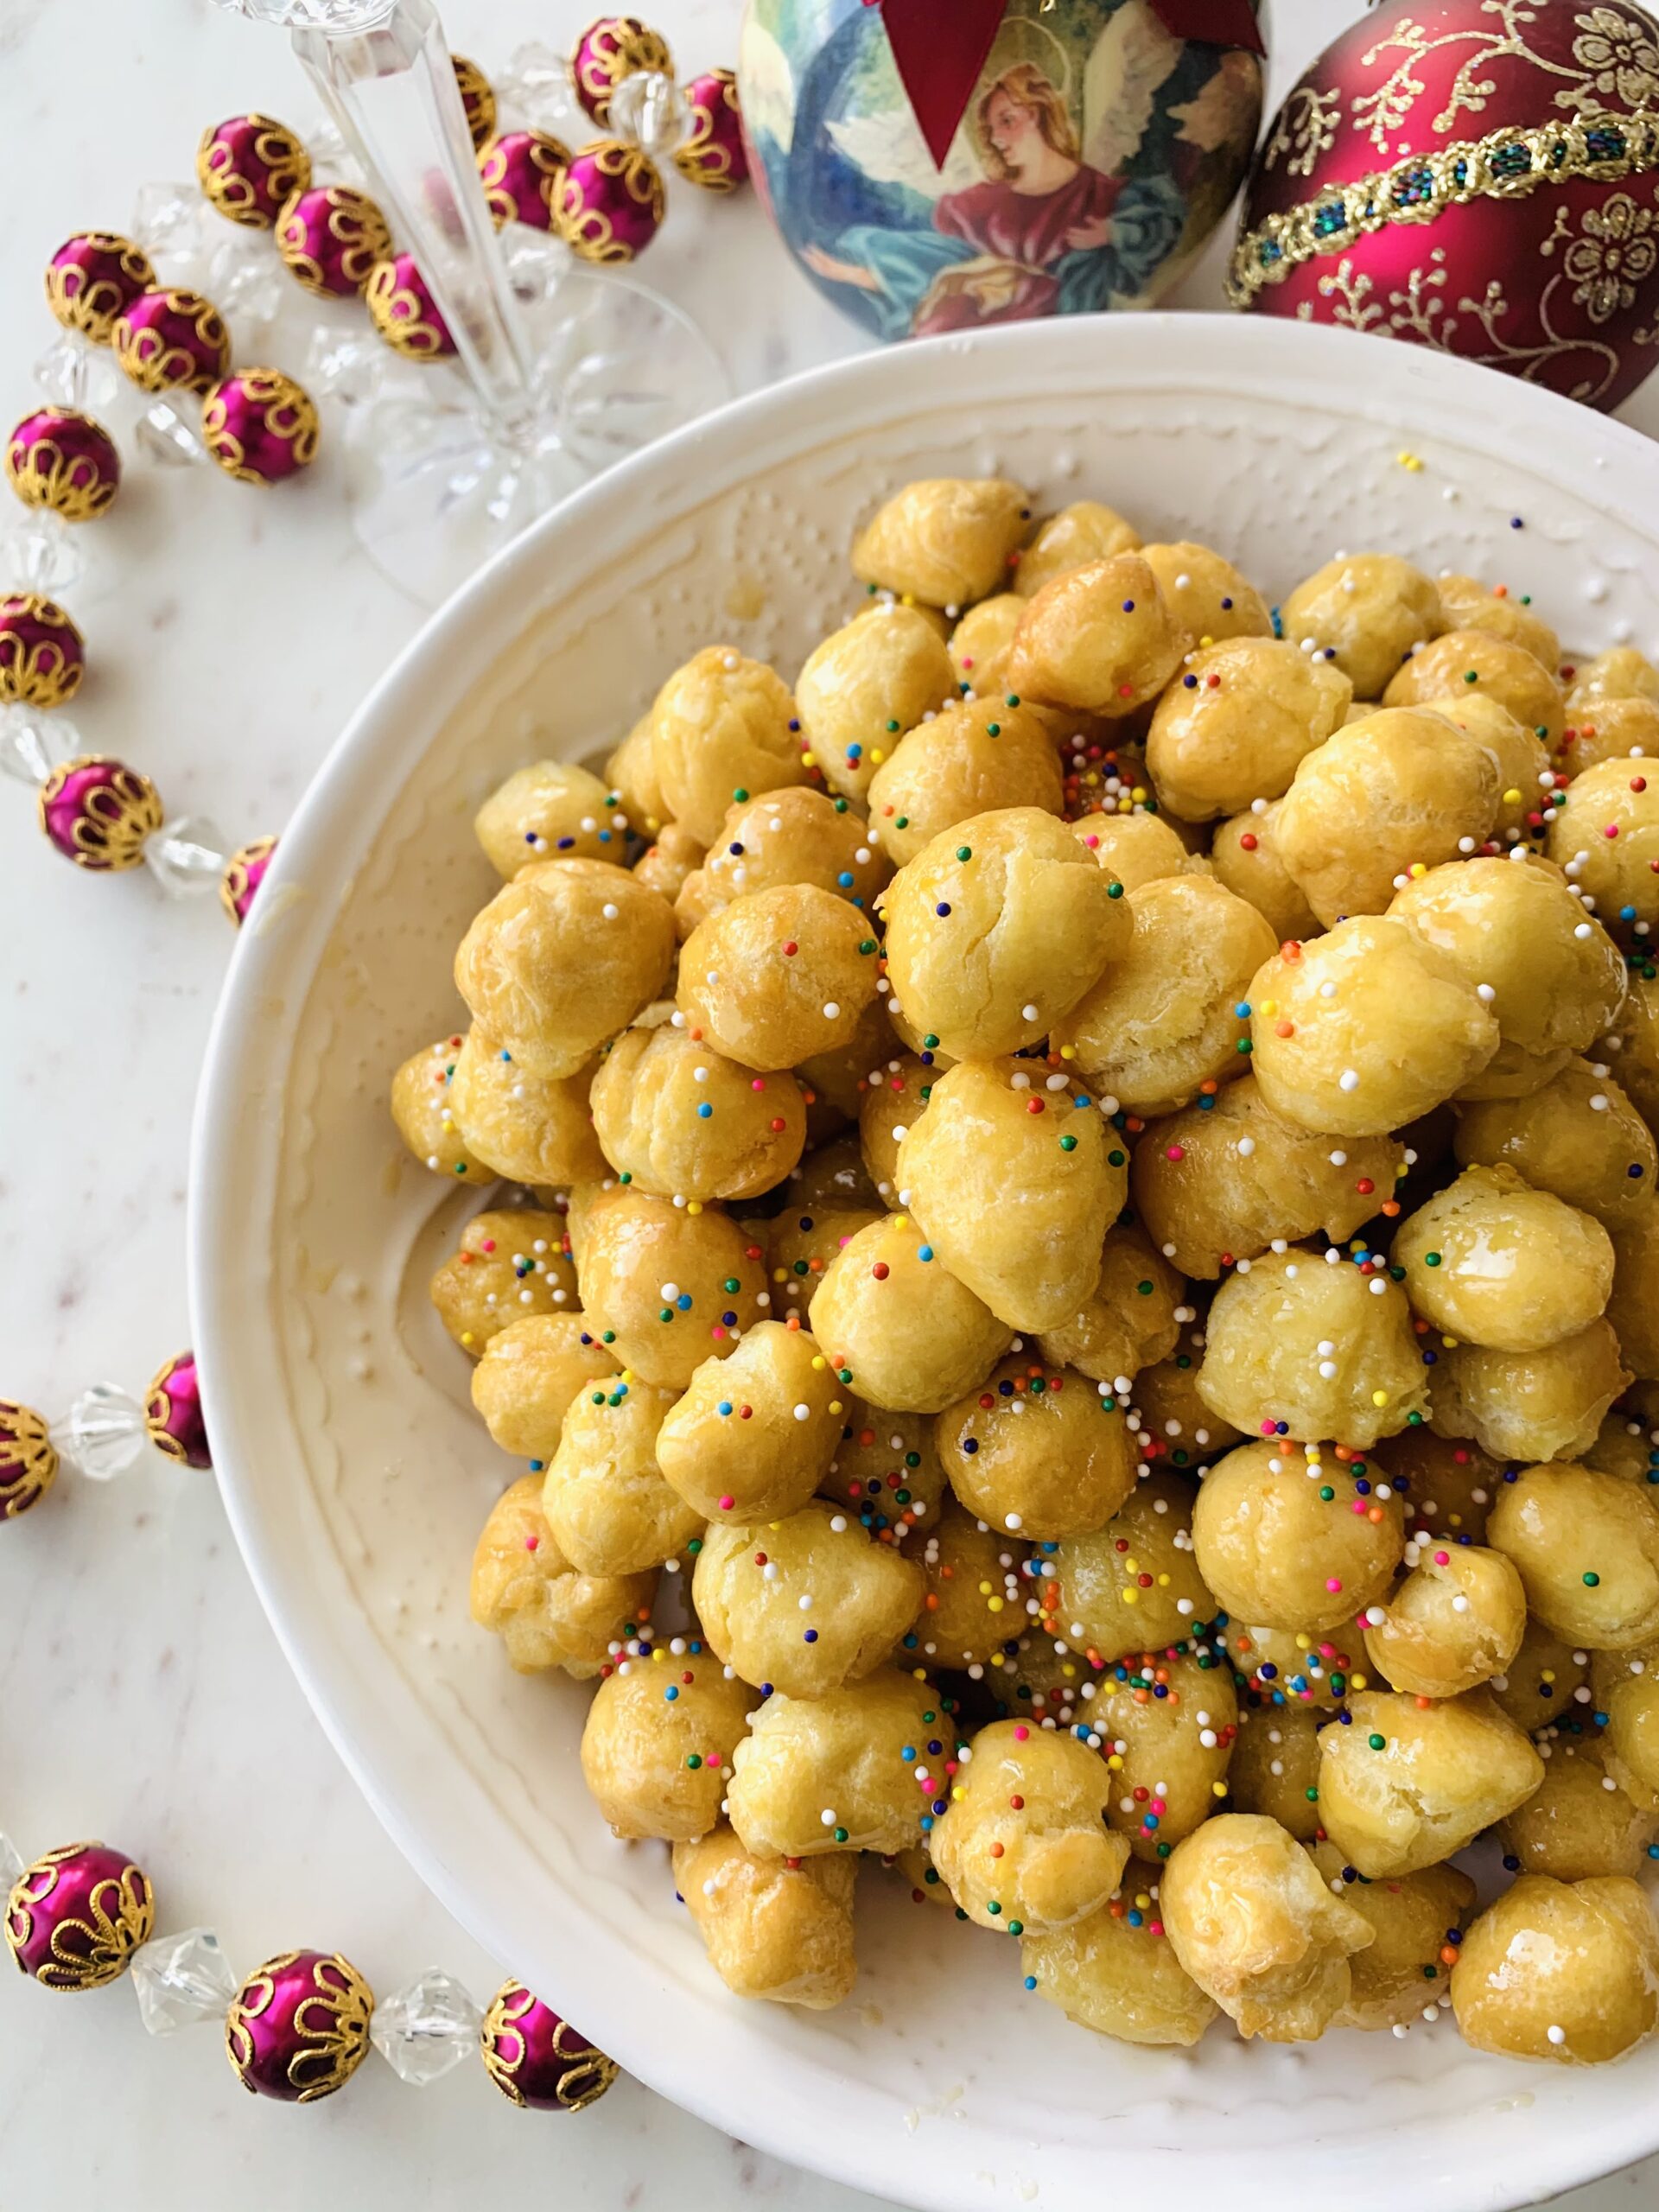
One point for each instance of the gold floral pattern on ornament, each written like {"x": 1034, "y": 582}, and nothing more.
{"x": 1613, "y": 253}
{"x": 1306, "y": 128}
{"x": 1618, "y": 54}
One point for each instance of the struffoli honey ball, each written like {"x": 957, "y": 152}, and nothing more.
{"x": 1258, "y": 1929}
{"x": 889, "y": 1105}
{"x": 834, "y": 1082}
{"x": 912, "y": 1337}
{"x": 1176, "y": 1424}
{"x": 1020, "y": 1843}
{"x": 854, "y": 1769}
{"x": 1493, "y": 1261}
{"x": 1400, "y": 789}
{"x": 1245, "y": 856}
{"x": 509, "y": 1264}
{"x": 1171, "y": 1719}
{"x": 1626, "y": 1688}
{"x": 864, "y": 687}
{"x": 1619, "y": 673}
{"x": 425, "y": 1112}
{"x": 800, "y": 1246}
{"x": 680, "y": 1119}
{"x": 631, "y": 774}
{"x": 974, "y": 1599}
{"x": 944, "y": 540}
{"x": 1542, "y": 1681}
{"x": 808, "y": 1602}
{"x": 1529, "y": 1405}
{"x": 1165, "y": 1019}
{"x": 1630, "y": 1048}
{"x": 1448, "y": 1482}
{"x": 1320, "y": 1350}
{"x": 774, "y": 1931}
{"x": 1222, "y": 1181}
{"x": 657, "y": 1749}
{"x": 1108, "y": 1601}
{"x": 1524, "y": 774}
{"x": 1590, "y": 1988}
{"x": 1617, "y": 729}
{"x": 1605, "y": 835}
{"x": 1208, "y": 596}
{"x": 1368, "y": 1027}
{"x": 529, "y": 1375}
{"x": 1121, "y": 1980}
{"x": 1274, "y": 1768}
{"x": 1469, "y": 604}
{"x": 1578, "y": 1822}
{"x": 666, "y": 863}
{"x": 779, "y": 976}
{"x": 1134, "y": 849}
{"x": 997, "y": 928}
{"x": 981, "y": 641}
{"x": 1585, "y": 1546}
{"x": 1285, "y": 1670}
{"x": 886, "y": 1470}
{"x": 1366, "y": 612}
{"x": 673, "y": 1288}
{"x": 1409, "y": 1782}
{"x": 1578, "y": 1136}
{"x": 979, "y": 756}
{"x": 1238, "y": 723}
{"x": 1455, "y": 1621}
{"x": 606, "y": 1500}
{"x": 1013, "y": 1186}
{"x": 1412, "y": 1918}
{"x": 1624, "y": 1448}
{"x": 722, "y": 730}
{"x": 833, "y": 1177}
{"x": 547, "y": 1613}
{"x": 1130, "y": 1321}
{"x": 533, "y": 1128}
{"x": 755, "y": 1431}
{"x": 1099, "y": 640}
{"x": 547, "y": 811}
{"x": 1475, "y": 661}
{"x": 786, "y": 836}
{"x": 1078, "y": 536}
{"x": 562, "y": 957}
{"x": 1276, "y": 1550}
{"x": 1037, "y": 1452}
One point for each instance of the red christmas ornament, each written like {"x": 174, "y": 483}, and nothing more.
{"x": 1474, "y": 176}
{"x": 75, "y": 1917}
{"x": 536, "y": 2059}
{"x": 298, "y": 2027}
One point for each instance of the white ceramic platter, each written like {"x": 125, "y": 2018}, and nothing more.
{"x": 355, "y": 1473}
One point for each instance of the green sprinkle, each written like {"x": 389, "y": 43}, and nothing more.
{"x": 1016, "y": 1928}
{"x": 1472, "y": 675}
{"x": 1011, "y": 699}
{"x": 1114, "y": 1160}
{"x": 1312, "y": 1796}
{"x": 965, "y": 852}
{"x": 869, "y": 945}
{"x": 892, "y": 728}
{"x": 627, "y": 1176}
{"x": 1326, "y": 1492}
{"x": 740, "y": 796}
{"x": 1144, "y": 1289}
{"x": 1068, "y": 1144}
{"x": 993, "y": 1906}
{"x": 731, "y": 1285}
{"x": 1431, "y": 1259}
{"x": 608, "y": 1336}
{"x": 840, "y": 1835}
{"x": 931, "y": 1043}
{"x": 1591, "y": 1581}
{"x": 694, "y": 1762}
{"x": 993, "y": 729}
{"x": 695, "y": 1545}
{"x": 903, "y": 822}
{"x": 1376, "y": 1743}
{"x": 1114, "y": 890}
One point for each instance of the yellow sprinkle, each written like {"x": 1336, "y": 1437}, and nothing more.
{"x": 694, "y": 1205}
{"x": 1163, "y": 1582}
{"x": 1131, "y": 1565}
{"x": 1131, "y": 1597}
{"x": 1304, "y": 1640}
{"x": 836, "y": 1407}
{"x": 1417, "y": 869}
{"x": 781, "y": 1275}
{"x": 809, "y": 760}
{"x": 1512, "y": 796}
{"x": 1411, "y": 461}
{"x": 1379, "y": 1397}
{"x": 466, "y": 1336}
{"x": 1139, "y": 794}
{"x": 1357, "y": 1681}
{"x": 1206, "y": 641}
{"x": 1115, "y": 1762}
{"x": 658, "y": 1655}
{"x": 957, "y": 1791}
{"x": 817, "y": 1363}
{"x": 901, "y": 1221}
{"x": 1068, "y": 1051}
{"x": 986, "y": 1588}
{"x": 1217, "y": 1789}
{"x": 994, "y": 1605}
{"x": 627, "y": 1375}
{"x": 1269, "y": 1005}
{"x": 877, "y": 755}
{"x": 1142, "y": 1901}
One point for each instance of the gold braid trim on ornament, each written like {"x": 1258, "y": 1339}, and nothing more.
{"x": 1503, "y": 165}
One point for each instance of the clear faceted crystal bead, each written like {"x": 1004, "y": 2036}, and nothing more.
{"x": 425, "y": 2028}
{"x": 166, "y": 221}
{"x": 247, "y": 280}
{"x": 536, "y": 82}
{"x": 187, "y": 857}
{"x": 179, "y": 1980}
{"x": 32, "y": 743}
{"x": 75, "y": 374}
{"x": 103, "y": 1433}
{"x": 646, "y": 109}
{"x": 167, "y": 434}
{"x": 11, "y": 1862}
{"x": 43, "y": 554}
{"x": 342, "y": 364}
{"x": 536, "y": 261}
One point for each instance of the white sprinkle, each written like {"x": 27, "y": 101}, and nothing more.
{"x": 1555, "y": 2034}
{"x": 828, "y": 1816}
{"x": 831, "y": 1010}
{"x": 803, "y": 1413}
{"x": 608, "y": 910}
{"x": 1485, "y": 994}
{"x": 1348, "y": 1080}
{"x": 1599, "y": 1103}
{"x": 1246, "y": 1146}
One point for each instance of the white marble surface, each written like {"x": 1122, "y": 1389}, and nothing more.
{"x": 145, "y": 1697}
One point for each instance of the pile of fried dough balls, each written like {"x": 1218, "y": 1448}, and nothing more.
{"x": 1083, "y": 1301}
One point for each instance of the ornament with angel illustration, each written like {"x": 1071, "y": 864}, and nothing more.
{"x": 1096, "y": 154}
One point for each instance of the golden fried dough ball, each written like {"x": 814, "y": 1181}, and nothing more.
{"x": 1495, "y": 1263}
{"x": 1245, "y": 856}
{"x": 722, "y": 730}
{"x": 1077, "y": 537}
{"x": 1148, "y": 1594}
{"x": 779, "y": 976}
{"x": 1473, "y": 660}
{"x": 1206, "y": 594}
{"x": 1447, "y": 1483}
{"x": 664, "y": 865}
{"x": 1455, "y": 1622}
{"x": 981, "y": 642}
{"x": 1619, "y": 673}
{"x": 1037, "y": 1451}
{"x": 1256, "y": 1927}
{"x": 425, "y": 1112}
{"x": 808, "y": 1602}
{"x": 755, "y": 1431}
{"x": 1470, "y": 605}
{"x": 528, "y": 1593}
{"x": 1365, "y": 611}
{"x": 1587, "y": 1547}
{"x": 1013, "y": 1186}
{"x": 1578, "y": 1136}
{"x": 1622, "y": 1447}
{"x": 509, "y": 1263}
{"x": 864, "y": 687}
{"x": 562, "y": 957}
{"x": 834, "y": 1082}
{"x": 1365, "y": 1029}
{"x": 1231, "y": 1177}
{"x": 997, "y": 928}
{"x": 913, "y": 1337}
{"x": 1021, "y": 1844}
{"x": 833, "y": 1177}
{"x": 657, "y": 1749}
{"x": 831, "y": 1773}
{"x": 890, "y": 1104}
{"x": 680, "y": 1119}
{"x": 1407, "y": 1782}
{"x": 1632, "y": 1047}
{"x": 1134, "y": 849}
{"x": 1399, "y": 789}
{"x": 1412, "y": 1918}
{"x": 1605, "y": 835}
{"x": 945, "y": 540}
{"x": 887, "y": 1469}
{"x": 1172, "y": 1724}
{"x": 631, "y": 774}
{"x": 1238, "y": 722}
{"x": 673, "y": 1287}
{"x": 1523, "y": 771}
{"x": 606, "y": 1500}
{"x": 1325, "y": 1349}
{"x": 1626, "y": 1688}
{"x": 531, "y": 1373}
{"x": 1537, "y": 1405}
{"x": 1564, "y": 1971}
{"x": 1037, "y": 1677}
{"x": 772, "y": 1930}
{"x": 1542, "y": 1680}
{"x": 1176, "y": 1424}
{"x": 1121, "y": 1980}
{"x": 1164, "y": 1018}
{"x": 1286, "y": 1669}
{"x": 1578, "y": 1822}
{"x": 1099, "y": 638}
{"x": 800, "y": 1246}
{"x": 1275, "y": 1551}
{"x": 1617, "y": 729}
{"x": 551, "y": 809}
{"x": 974, "y": 1599}
{"x": 1274, "y": 1768}
{"x": 976, "y": 757}
{"x": 1131, "y": 1320}
{"x": 783, "y": 837}
{"x": 536, "y": 1130}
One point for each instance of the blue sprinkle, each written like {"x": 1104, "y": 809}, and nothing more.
{"x": 724, "y": 1407}
{"x": 1031, "y": 1979}
{"x": 969, "y": 1444}
{"x": 810, "y": 1635}
{"x": 908, "y": 1753}
{"x": 845, "y": 878}
{"x": 926, "y": 1251}
{"x": 705, "y": 1111}
{"x": 944, "y": 908}
{"x": 671, "y": 1692}
{"x": 683, "y": 1302}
